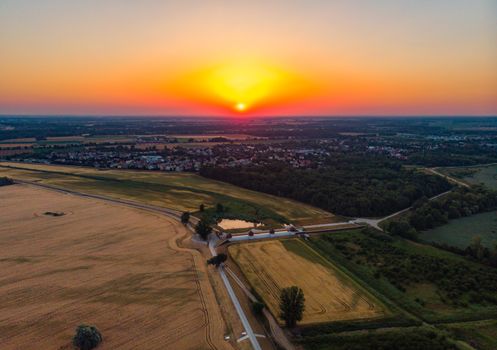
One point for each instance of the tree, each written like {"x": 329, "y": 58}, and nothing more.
{"x": 217, "y": 260}
{"x": 292, "y": 305}
{"x": 219, "y": 208}
{"x": 201, "y": 207}
{"x": 185, "y": 217}
{"x": 257, "y": 307}
{"x": 493, "y": 256}
{"x": 203, "y": 229}
{"x": 5, "y": 181}
{"x": 476, "y": 247}
{"x": 402, "y": 229}
{"x": 86, "y": 337}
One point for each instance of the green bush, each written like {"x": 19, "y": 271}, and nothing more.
{"x": 87, "y": 337}
{"x": 4, "y": 181}
{"x": 257, "y": 307}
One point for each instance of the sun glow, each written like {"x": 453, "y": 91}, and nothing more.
{"x": 241, "y": 86}
{"x": 240, "y": 106}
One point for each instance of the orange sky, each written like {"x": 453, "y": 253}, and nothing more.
{"x": 273, "y": 57}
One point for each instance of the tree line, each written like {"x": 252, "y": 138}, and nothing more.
{"x": 426, "y": 214}
{"x": 351, "y": 185}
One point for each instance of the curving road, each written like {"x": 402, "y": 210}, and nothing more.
{"x": 175, "y": 214}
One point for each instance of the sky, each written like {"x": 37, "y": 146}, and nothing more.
{"x": 248, "y": 57}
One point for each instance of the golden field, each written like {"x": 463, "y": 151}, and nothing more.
{"x": 270, "y": 266}
{"x": 118, "y": 268}
{"x": 179, "y": 191}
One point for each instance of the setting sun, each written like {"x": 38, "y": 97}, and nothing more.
{"x": 253, "y": 83}
{"x": 241, "y": 86}
{"x": 241, "y": 107}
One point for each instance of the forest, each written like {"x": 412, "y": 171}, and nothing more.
{"x": 348, "y": 184}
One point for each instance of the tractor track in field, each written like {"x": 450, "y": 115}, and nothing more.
{"x": 185, "y": 328}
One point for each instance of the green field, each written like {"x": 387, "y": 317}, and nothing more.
{"x": 460, "y": 232}
{"x": 430, "y": 283}
{"x": 481, "y": 335}
{"x": 180, "y": 191}
{"x": 486, "y": 175}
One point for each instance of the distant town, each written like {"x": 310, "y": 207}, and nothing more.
{"x": 312, "y": 149}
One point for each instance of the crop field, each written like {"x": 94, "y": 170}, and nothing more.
{"x": 330, "y": 295}
{"x": 180, "y": 191}
{"x": 66, "y": 260}
{"x": 14, "y": 145}
{"x": 460, "y": 232}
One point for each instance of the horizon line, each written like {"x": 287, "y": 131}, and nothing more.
{"x": 246, "y": 117}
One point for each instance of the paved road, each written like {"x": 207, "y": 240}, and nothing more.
{"x": 328, "y": 225}
{"x": 236, "y": 303}
{"x": 246, "y": 237}
{"x": 276, "y": 330}
{"x": 260, "y": 234}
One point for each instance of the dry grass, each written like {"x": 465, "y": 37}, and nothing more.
{"x": 115, "y": 267}
{"x": 180, "y": 191}
{"x": 14, "y": 145}
{"x": 330, "y": 296}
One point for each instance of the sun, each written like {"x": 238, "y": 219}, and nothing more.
{"x": 241, "y": 107}
{"x": 240, "y": 86}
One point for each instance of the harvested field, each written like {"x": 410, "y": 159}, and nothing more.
{"x": 16, "y": 145}
{"x": 111, "y": 266}
{"x": 270, "y": 266}
{"x": 19, "y": 140}
{"x": 180, "y": 191}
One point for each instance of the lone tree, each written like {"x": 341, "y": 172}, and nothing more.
{"x": 86, "y": 337}
{"x": 476, "y": 248}
{"x": 5, "y": 181}
{"x": 257, "y": 307}
{"x": 292, "y": 305}
{"x": 201, "y": 207}
{"x": 219, "y": 208}
{"x": 217, "y": 260}
{"x": 185, "y": 217}
{"x": 203, "y": 228}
